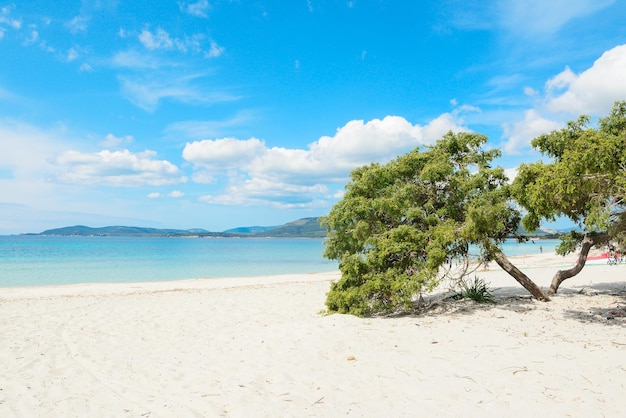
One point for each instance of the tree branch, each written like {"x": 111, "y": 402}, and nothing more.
{"x": 518, "y": 275}
{"x": 589, "y": 240}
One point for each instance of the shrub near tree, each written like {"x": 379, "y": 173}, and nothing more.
{"x": 400, "y": 222}
{"x": 584, "y": 180}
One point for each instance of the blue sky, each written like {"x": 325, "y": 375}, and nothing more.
{"x": 225, "y": 113}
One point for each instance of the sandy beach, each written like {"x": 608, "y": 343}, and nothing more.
{"x": 260, "y": 347}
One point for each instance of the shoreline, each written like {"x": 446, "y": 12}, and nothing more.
{"x": 129, "y": 288}
{"x": 523, "y": 262}
{"x": 101, "y": 260}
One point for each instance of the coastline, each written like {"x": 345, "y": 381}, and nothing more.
{"x": 132, "y": 288}
{"x": 524, "y": 262}
{"x": 47, "y": 260}
{"x": 259, "y": 346}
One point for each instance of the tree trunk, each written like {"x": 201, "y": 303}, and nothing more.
{"x": 562, "y": 275}
{"x": 518, "y": 275}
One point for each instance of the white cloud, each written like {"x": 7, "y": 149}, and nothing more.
{"x": 14, "y": 23}
{"x": 594, "y": 90}
{"x": 193, "y": 129}
{"x": 77, "y": 24}
{"x": 560, "y": 81}
{"x": 529, "y": 91}
{"x": 193, "y": 43}
{"x": 161, "y": 40}
{"x": 85, "y": 67}
{"x": 147, "y": 94}
{"x": 258, "y": 173}
{"x": 511, "y": 173}
{"x": 35, "y": 200}
{"x": 355, "y": 144}
{"x": 8, "y": 21}
{"x": 72, "y": 54}
{"x": 522, "y": 18}
{"x": 379, "y": 140}
{"x": 25, "y": 163}
{"x": 202, "y": 177}
{"x": 521, "y": 133}
{"x": 568, "y": 95}
{"x": 226, "y": 153}
{"x": 117, "y": 168}
{"x": 112, "y": 141}
{"x": 157, "y": 40}
{"x": 32, "y": 38}
{"x": 331, "y": 158}
{"x": 214, "y": 50}
{"x": 200, "y": 8}
{"x": 446, "y": 122}
{"x": 539, "y": 17}
{"x": 275, "y": 194}
{"x": 26, "y": 150}
{"x": 176, "y": 194}
{"x": 135, "y": 60}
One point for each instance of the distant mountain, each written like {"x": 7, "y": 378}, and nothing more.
{"x": 197, "y": 231}
{"x": 307, "y": 227}
{"x": 302, "y": 228}
{"x": 123, "y": 231}
{"x": 545, "y": 232}
{"x": 249, "y": 229}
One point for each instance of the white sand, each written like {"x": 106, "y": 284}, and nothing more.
{"x": 259, "y": 348}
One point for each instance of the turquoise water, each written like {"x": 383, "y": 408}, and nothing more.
{"x": 43, "y": 260}
{"x": 28, "y": 260}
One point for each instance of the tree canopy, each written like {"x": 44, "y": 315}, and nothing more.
{"x": 584, "y": 180}
{"x": 400, "y": 222}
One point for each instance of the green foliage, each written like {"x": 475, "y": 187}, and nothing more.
{"x": 585, "y": 179}
{"x": 569, "y": 243}
{"x": 398, "y": 223}
{"x": 477, "y": 290}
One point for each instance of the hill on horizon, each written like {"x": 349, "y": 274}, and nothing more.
{"x": 304, "y": 228}
{"x": 301, "y": 228}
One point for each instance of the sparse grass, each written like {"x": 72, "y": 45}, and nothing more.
{"x": 477, "y": 290}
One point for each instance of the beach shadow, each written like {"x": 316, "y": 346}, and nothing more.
{"x": 516, "y": 299}
{"x": 510, "y": 298}
{"x": 614, "y": 315}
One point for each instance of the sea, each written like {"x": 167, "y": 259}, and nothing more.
{"x": 36, "y": 260}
